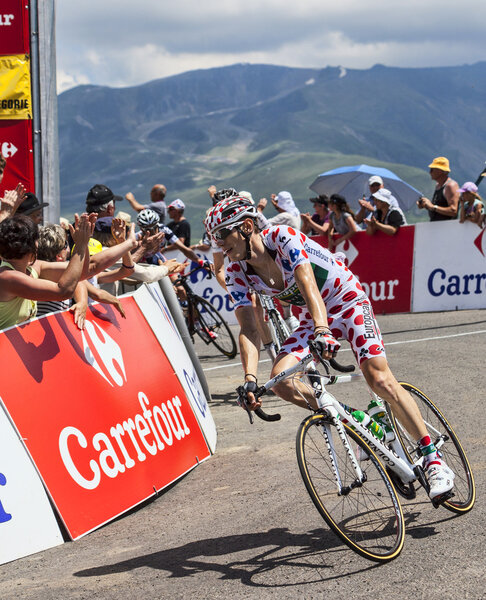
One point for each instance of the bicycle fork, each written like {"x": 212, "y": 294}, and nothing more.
{"x": 326, "y": 404}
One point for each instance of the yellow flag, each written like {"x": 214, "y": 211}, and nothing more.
{"x": 15, "y": 95}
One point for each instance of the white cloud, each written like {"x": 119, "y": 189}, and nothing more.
{"x": 121, "y": 42}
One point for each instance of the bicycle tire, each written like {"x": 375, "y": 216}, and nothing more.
{"x": 452, "y": 450}
{"x": 212, "y": 321}
{"x": 368, "y": 519}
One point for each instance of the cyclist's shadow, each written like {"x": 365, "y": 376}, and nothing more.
{"x": 310, "y": 550}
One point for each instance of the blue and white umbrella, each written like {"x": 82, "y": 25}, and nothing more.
{"x": 352, "y": 183}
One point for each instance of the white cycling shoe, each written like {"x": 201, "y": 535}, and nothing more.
{"x": 440, "y": 479}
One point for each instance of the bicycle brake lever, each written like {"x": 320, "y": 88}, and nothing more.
{"x": 242, "y": 401}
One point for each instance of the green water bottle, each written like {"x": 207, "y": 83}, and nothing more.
{"x": 377, "y": 411}
{"x": 369, "y": 423}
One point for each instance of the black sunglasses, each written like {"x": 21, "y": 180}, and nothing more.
{"x": 223, "y": 233}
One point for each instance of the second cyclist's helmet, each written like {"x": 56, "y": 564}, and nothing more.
{"x": 148, "y": 219}
{"x": 229, "y": 213}
{"x": 224, "y": 194}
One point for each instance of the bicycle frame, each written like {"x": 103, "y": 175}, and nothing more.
{"x": 392, "y": 455}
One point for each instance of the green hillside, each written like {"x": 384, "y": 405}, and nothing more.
{"x": 263, "y": 129}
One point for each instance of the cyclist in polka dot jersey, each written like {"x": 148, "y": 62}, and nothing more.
{"x": 331, "y": 304}
{"x": 350, "y": 314}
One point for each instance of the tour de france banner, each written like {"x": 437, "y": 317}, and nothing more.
{"x": 15, "y": 96}
{"x": 14, "y": 27}
{"x": 383, "y": 265}
{"x": 102, "y": 414}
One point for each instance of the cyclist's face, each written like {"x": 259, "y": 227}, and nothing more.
{"x": 232, "y": 243}
{"x": 151, "y": 230}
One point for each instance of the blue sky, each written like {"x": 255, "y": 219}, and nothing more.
{"x": 123, "y": 43}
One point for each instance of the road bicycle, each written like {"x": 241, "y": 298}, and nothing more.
{"x": 204, "y": 320}
{"x": 353, "y": 477}
{"x": 279, "y": 330}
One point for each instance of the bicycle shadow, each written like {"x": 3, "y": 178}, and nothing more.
{"x": 270, "y": 552}
{"x": 415, "y": 512}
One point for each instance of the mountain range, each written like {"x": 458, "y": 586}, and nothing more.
{"x": 265, "y": 128}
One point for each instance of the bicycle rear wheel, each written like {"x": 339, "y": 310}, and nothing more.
{"x": 213, "y": 328}
{"x": 367, "y": 517}
{"x": 449, "y": 446}
{"x": 281, "y": 331}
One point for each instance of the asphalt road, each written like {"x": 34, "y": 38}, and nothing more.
{"x": 241, "y": 525}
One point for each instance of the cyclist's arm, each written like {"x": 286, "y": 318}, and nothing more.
{"x": 249, "y": 342}
{"x": 218, "y": 260}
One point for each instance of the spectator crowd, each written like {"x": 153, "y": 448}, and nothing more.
{"x": 50, "y": 267}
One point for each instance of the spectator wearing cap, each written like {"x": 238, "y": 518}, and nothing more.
{"x": 178, "y": 224}
{"x": 471, "y": 204}
{"x": 367, "y": 205}
{"x": 445, "y": 201}
{"x": 288, "y": 213}
{"x": 318, "y": 223}
{"x": 32, "y": 208}
{"x": 387, "y": 218}
{"x": 101, "y": 200}
{"x": 157, "y": 201}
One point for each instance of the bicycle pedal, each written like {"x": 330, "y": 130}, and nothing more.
{"x": 438, "y": 500}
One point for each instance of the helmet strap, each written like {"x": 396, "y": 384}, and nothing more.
{"x": 247, "y": 237}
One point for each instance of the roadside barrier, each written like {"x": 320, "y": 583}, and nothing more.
{"x": 97, "y": 420}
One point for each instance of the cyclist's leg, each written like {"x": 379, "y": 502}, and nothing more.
{"x": 382, "y": 381}
{"x": 364, "y": 335}
{"x": 293, "y": 350}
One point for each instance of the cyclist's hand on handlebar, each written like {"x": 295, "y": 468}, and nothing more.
{"x": 247, "y": 395}
{"x": 205, "y": 264}
{"x": 326, "y": 344}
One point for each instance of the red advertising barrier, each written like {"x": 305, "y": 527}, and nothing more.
{"x": 383, "y": 265}
{"x": 101, "y": 412}
{"x": 14, "y": 27}
{"x": 16, "y": 147}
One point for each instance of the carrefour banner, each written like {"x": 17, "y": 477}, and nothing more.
{"x": 14, "y": 27}
{"x": 15, "y": 96}
{"x": 383, "y": 264}
{"x": 449, "y": 266}
{"x": 16, "y": 146}
{"x": 101, "y": 412}
{"x": 27, "y": 521}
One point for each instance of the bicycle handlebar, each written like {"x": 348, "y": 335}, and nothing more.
{"x": 339, "y": 367}
{"x": 261, "y": 390}
{"x": 184, "y": 276}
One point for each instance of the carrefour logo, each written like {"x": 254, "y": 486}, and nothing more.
{"x": 195, "y": 389}
{"x": 110, "y": 363}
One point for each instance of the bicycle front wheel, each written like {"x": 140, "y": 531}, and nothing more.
{"x": 212, "y": 328}
{"x": 366, "y": 516}
{"x": 448, "y": 445}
